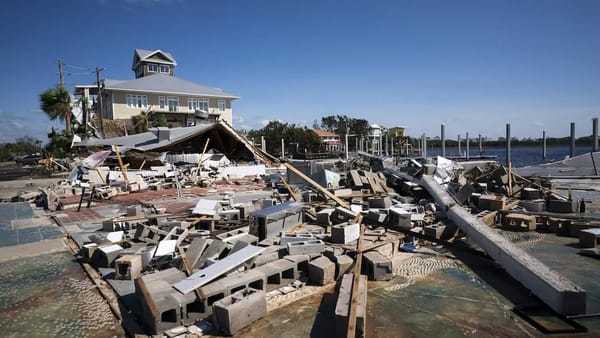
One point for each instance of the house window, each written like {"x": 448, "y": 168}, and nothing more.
{"x": 221, "y": 105}
{"x": 203, "y": 105}
{"x": 152, "y": 68}
{"x": 162, "y": 103}
{"x": 164, "y": 69}
{"x": 173, "y": 102}
{"x": 137, "y": 101}
{"x": 192, "y": 105}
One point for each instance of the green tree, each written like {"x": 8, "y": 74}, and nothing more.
{"x": 140, "y": 123}
{"x": 56, "y": 102}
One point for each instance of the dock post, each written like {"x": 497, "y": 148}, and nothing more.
{"x": 459, "y": 151}
{"x": 282, "y": 148}
{"x": 467, "y": 145}
{"x": 508, "y": 159}
{"x": 572, "y": 152}
{"x": 443, "y": 139}
{"x": 544, "y": 145}
{"x": 595, "y": 134}
{"x": 480, "y": 146}
{"x": 346, "y": 146}
{"x": 263, "y": 144}
{"x": 424, "y": 144}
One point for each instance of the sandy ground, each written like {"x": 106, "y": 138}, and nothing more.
{"x": 9, "y": 189}
{"x": 32, "y": 249}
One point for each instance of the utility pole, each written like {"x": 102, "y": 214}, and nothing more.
{"x": 100, "y": 101}
{"x": 60, "y": 73}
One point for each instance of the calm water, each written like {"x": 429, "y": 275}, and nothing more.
{"x": 521, "y": 156}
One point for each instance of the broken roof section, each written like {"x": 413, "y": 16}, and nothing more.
{"x": 223, "y": 138}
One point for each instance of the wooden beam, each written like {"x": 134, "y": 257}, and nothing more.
{"x": 355, "y": 280}
{"x": 317, "y": 186}
{"x": 123, "y": 169}
{"x": 200, "y": 159}
{"x": 293, "y": 193}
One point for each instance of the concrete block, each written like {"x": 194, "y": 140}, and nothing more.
{"x": 306, "y": 247}
{"x": 380, "y": 202}
{"x": 399, "y": 217}
{"x": 562, "y": 207}
{"x": 376, "y": 266}
{"x": 345, "y": 233}
{"x": 589, "y": 238}
{"x": 520, "y": 222}
{"x": 295, "y": 237}
{"x": 464, "y": 193}
{"x": 333, "y": 251}
{"x": 128, "y": 267}
{"x": 324, "y": 216}
{"x": 104, "y": 256}
{"x": 435, "y": 230}
{"x": 134, "y": 210}
{"x": 321, "y": 271}
{"x": 533, "y": 205}
{"x": 301, "y": 262}
{"x": 492, "y": 202}
{"x": 342, "y": 264}
{"x": 233, "y": 313}
{"x": 531, "y": 194}
{"x": 376, "y": 216}
{"x": 195, "y": 250}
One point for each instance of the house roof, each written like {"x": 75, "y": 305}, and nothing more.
{"x": 167, "y": 84}
{"x": 150, "y": 55}
{"x": 324, "y": 133}
{"x": 226, "y": 140}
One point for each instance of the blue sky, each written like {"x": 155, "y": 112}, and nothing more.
{"x": 473, "y": 65}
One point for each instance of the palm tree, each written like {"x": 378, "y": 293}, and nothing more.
{"x": 140, "y": 122}
{"x": 56, "y": 102}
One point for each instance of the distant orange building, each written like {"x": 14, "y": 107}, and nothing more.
{"x": 331, "y": 140}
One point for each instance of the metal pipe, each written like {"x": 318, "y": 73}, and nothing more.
{"x": 346, "y": 146}
{"x": 282, "y": 148}
{"x": 480, "y": 145}
{"x": 459, "y": 152}
{"x": 508, "y": 158}
{"x": 572, "y": 152}
{"x": 424, "y": 146}
{"x": 443, "y": 139}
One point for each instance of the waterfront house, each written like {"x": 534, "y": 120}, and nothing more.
{"x": 156, "y": 90}
{"x": 330, "y": 140}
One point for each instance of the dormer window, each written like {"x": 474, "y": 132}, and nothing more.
{"x": 152, "y": 68}
{"x": 165, "y": 69}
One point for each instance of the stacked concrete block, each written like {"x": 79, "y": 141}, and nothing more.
{"x": 134, "y": 210}
{"x": 342, "y": 307}
{"x": 278, "y": 273}
{"x": 162, "y": 307}
{"x": 233, "y": 313}
{"x": 270, "y": 221}
{"x": 377, "y": 216}
{"x": 295, "y": 237}
{"x": 345, "y": 233}
{"x": 377, "y": 266}
{"x": 321, "y": 271}
{"x": 332, "y": 251}
{"x": 315, "y": 246}
{"x": 270, "y": 254}
{"x": 128, "y": 267}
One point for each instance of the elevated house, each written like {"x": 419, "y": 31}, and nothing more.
{"x": 156, "y": 90}
{"x": 330, "y": 140}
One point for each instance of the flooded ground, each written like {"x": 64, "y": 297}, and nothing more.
{"x": 18, "y": 225}
{"x": 49, "y": 296}
{"x": 458, "y": 293}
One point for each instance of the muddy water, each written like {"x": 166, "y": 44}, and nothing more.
{"x": 49, "y": 296}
